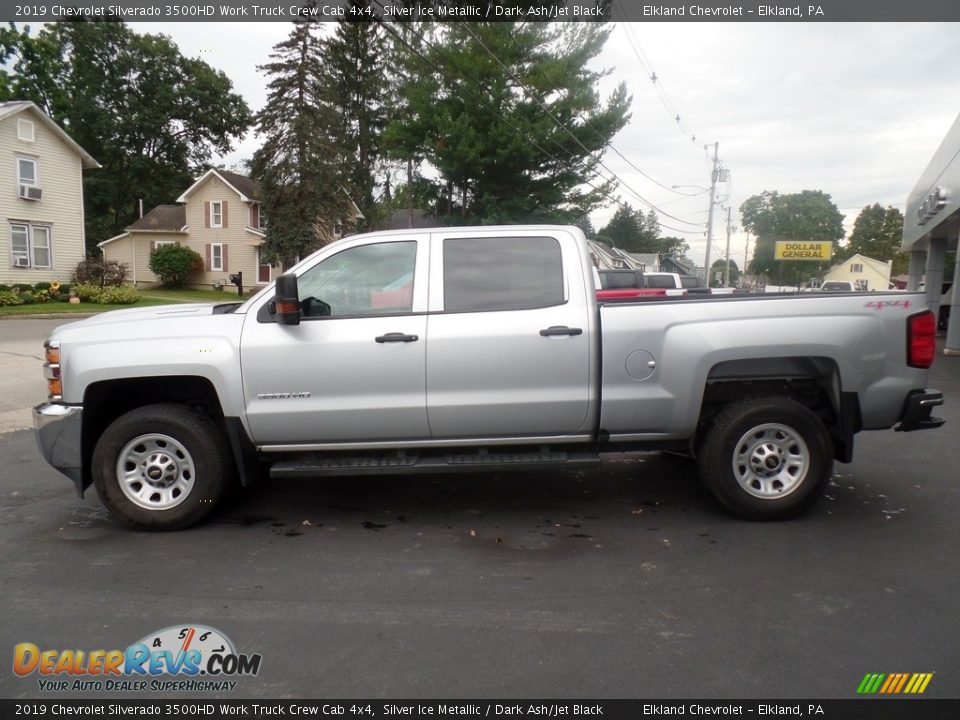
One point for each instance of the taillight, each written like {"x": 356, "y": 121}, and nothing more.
{"x": 921, "y": 339}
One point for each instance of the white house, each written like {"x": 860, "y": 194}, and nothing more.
{"x": 41, "y": 196}
{"x": 871, "y": 274}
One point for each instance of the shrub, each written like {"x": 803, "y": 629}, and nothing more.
{"x": 100, "y": 272}
{"x": 9, "y": 298}
{"x": 4, "y": 288}
{"x": 87, "y": 292}
{"x": 113, "y": 295}
{"x": 174, "y": 264}
{"x": 22, "y": 287}
{"x": 27, "y": 298}
{"x": 118, "y": 295}
{"x": 42, "y": 286}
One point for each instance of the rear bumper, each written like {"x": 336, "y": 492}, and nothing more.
{"x": 57, "y": 428}
{"x": 917, "y": 409}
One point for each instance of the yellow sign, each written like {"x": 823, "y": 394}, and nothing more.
{"x": 787, "y": 250}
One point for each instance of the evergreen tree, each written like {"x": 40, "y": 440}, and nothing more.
{"x": 355, "y": 59}
{"x": 300, "y": 163}
{"x": 649, "y": 232}
{"x": 624, "y": 229}
{"x": 485, "y": 105}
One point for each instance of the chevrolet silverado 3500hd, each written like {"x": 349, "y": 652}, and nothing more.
{"x": 474, "y": 349}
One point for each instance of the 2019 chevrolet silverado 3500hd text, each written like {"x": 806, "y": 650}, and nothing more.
{"x": 474, "y": 349}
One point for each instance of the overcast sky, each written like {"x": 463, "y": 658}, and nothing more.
{"x": 853, "y": 109}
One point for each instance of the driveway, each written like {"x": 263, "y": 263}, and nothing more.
{"x": 21, "y": 382}
{"x": 626, "y": 582}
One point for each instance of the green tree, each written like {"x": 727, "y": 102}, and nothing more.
{"x": 300, "y": 165}
{"x": 152, "y": 117}
{"x": 174, "y": 264}
{"x": 509, "y": 116}
{"x": 673, "y": 246}
{"x": 877, "y": 233}
{"x": 354, "y": 60}
{"x": 624, "y": 229}
{"x": 807, "y": 216}
{"x": 719, "y": 270}
{"x": 649, "y": 232}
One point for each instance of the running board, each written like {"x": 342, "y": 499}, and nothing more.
{"x": 320, "y": 465}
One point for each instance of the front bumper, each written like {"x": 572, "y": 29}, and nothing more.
{"x": 57, "y": 428}
{"x": 916, "y": 411}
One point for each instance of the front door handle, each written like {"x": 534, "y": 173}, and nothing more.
{"x": 396, "y": 337}
{"x": 560, "y": 330}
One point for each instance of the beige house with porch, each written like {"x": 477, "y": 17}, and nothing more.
{"x": 219, "y": 217}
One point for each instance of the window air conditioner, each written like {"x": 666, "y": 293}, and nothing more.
{"x": 30, "y": 192}
{"x": 22, "y": 261}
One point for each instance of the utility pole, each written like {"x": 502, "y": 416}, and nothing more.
{"x": 726, "y": 273}
{"x": 746, "y": 256}
{"x": 713, "y": 195}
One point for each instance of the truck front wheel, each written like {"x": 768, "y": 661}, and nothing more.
{"x": 161, "y": 467}
{"x": 766, "y": 458}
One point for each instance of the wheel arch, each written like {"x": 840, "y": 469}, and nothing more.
{"x": 105, "y": 401}
{"x": 812, "y": 381}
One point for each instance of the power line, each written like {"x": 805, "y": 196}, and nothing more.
{"x": 459, "y": 86}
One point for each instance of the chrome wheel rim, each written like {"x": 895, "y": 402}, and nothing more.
{"x": 155, "y": 472}
{"x": 771, "y": 461}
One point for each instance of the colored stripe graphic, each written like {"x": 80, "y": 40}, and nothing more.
{"x": 894, "y": 683}
{"x": 870, "y": 683}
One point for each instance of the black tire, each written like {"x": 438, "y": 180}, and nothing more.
{"x": 766, "y": 458}
{"x": 178, "y": 483}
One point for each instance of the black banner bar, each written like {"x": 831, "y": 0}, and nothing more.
{"x": 894, "y": 708}
{"x": 484, "y": 10}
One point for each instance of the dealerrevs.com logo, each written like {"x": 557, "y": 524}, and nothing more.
{"x": 182, "y": 658}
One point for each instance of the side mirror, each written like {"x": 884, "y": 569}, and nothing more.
{"x": 287, "y": 300}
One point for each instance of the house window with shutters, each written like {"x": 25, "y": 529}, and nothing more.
{"x": 216, "y": 214}
{"x": 217, "y": 263}
{"x": 856, "y": 268}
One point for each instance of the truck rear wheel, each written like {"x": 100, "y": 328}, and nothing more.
{"x": 766, "y": 458}
{"x": 161, "y": 467}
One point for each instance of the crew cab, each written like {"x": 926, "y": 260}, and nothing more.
{"x": 474, "y": 349}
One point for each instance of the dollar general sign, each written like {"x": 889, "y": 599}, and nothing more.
{"x": 786, "y": 250}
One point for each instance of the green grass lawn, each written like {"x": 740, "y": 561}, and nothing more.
{"x": 147, "y": 298}
{"x": 217, "y": 296}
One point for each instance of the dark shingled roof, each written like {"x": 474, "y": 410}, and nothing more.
{"x": 162, "y": 217}
{"x": 248, "y": 186}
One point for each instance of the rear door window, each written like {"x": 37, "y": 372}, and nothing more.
{"x": 501, "y": 273}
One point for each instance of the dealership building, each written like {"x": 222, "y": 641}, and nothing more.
{"x": 931, "y": 226}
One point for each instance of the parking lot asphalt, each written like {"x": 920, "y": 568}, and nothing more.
{"x": 623, "y": 582}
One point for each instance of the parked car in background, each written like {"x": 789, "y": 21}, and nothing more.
{"x": 843, "y": 286}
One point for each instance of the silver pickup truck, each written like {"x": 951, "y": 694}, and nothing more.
{"x": 474, "y": 349}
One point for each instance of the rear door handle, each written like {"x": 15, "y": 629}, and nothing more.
{"x": 560, "y": 330}
{"x": 396, "y": 337}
